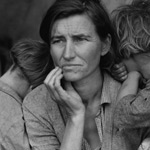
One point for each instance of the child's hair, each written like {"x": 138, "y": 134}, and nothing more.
{"x": 132, "y": 24}
{"x": 32, "y": 57}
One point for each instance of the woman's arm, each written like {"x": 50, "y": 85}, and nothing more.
{"x": 45, "y": 125}
{"x": 73, "y": 133}
{"x": 72, "y": 103}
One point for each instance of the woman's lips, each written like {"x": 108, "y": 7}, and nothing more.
{"x": 70, "y": 66}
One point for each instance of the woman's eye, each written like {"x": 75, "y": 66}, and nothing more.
{"x": 79, "y": 39}
{"x": 58, "y": 41}
{"x": 55, "y": 41}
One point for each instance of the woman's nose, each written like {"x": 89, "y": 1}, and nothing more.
{"x": 69, "y": 51}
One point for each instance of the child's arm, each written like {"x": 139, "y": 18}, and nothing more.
{"x": 133, "y": 107}
{"x": 130, "y": 85}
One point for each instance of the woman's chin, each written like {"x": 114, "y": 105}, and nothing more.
{"x": 71, "y": 78}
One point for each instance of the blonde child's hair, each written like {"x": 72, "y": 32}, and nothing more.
{"x": 132, "y": 24}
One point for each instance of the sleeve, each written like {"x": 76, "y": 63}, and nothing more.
{"x": 16, "y": 139}
{"x": 13, "y": 135}
{"x": 133, "y": 110}
{"x": 40, "y": 129}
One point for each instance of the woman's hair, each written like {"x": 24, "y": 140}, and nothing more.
{"x": 93, "y": 9}
{"x": 132, "y": 24}
{"x": 33, "y": 59}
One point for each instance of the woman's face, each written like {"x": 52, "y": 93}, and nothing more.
{"x": 76, "y": 47}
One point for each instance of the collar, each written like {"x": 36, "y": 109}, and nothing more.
{"x": 109, "y": 91}
{"x": 105, "y": 96}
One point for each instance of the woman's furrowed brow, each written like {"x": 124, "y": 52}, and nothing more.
{"x": 82, "y": 35}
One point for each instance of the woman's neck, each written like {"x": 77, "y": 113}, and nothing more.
{"x": 90, "y": 88}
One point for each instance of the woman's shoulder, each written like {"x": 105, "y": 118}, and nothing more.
{"x": 39, "y": 90}
{"x": 39, "y": 98}
{"x": 110, "y": 81}
{"x": 39, "y": 107}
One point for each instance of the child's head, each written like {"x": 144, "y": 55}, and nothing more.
{"x": 32, "y": 57}
{"x": 132, "y": 23}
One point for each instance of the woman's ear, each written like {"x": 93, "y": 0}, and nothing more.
{"x": 106, "y": 45}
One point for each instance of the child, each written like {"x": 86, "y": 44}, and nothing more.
{"x": 31, "y": 64}
{"x": 132, "y": 23}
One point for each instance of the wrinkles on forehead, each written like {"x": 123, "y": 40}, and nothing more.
{"x": 75, "y": 25}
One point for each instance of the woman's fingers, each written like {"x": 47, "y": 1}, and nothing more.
{"x": 69, "y": 98}
{"x": 50, "y": 75}
{"x": 59, "y": 92}
{"x": 50, "y": 80}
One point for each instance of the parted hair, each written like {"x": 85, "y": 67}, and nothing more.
{"x": 132, "y": 24}
{"x": 92, "y": 8}
{"x": 32, "y": 57}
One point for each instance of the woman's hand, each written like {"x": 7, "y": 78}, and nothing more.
{"x": 68, "y": 98}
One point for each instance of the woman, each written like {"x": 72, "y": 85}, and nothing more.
{"x": 74, "y": 109}
{"x": 31, "y": 64}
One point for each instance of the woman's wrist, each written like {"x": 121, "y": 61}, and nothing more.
{"x": 78, "y": 117}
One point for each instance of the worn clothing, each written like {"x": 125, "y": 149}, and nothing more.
{"x": 133, "y": 111}
{"x": 45, "y": 121}
{"x": 12, "y": 132}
